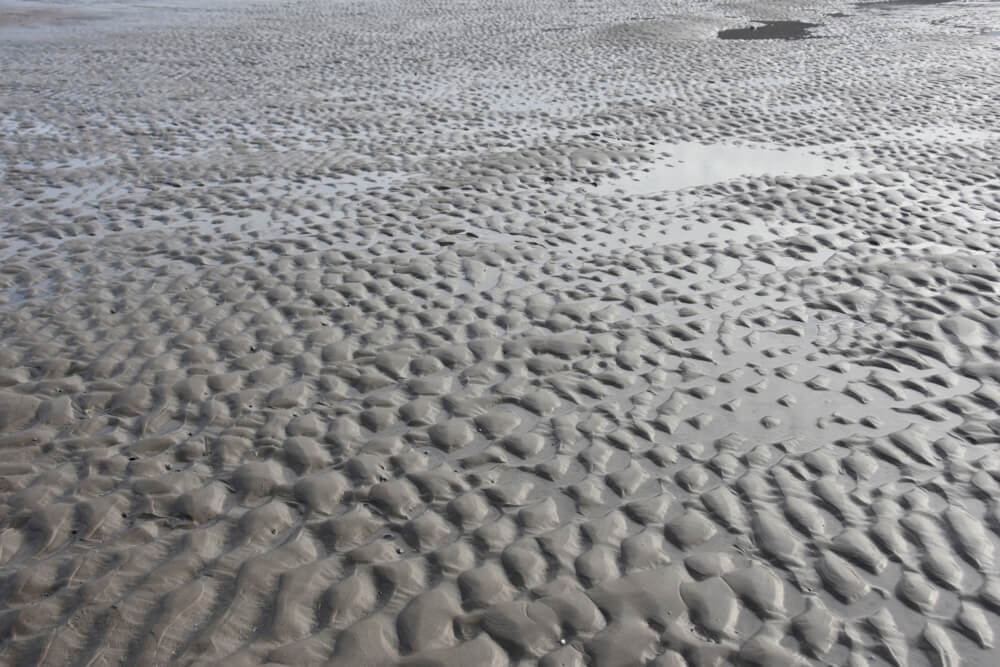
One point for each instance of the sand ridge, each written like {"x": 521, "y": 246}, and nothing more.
{"x": 432, "y": 334}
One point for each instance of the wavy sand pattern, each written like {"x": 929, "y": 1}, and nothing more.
{"x": 467, "y": 333}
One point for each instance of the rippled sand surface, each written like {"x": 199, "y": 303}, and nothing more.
{"x": 475, "y": 333}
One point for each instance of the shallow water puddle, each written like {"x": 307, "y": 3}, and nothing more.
{"x": 890, "y": 4}
{"x": 690, "y": 164}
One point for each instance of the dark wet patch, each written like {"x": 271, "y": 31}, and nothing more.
{"x": 40, "y": 16}
{"x": 770, "y": 30}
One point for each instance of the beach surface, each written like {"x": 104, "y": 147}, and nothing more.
{"x": 530, "y": 332}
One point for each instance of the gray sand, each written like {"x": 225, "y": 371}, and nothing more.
{"x": 468, "y": 333}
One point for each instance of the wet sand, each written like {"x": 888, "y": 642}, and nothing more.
{"x": 531, "y": 333}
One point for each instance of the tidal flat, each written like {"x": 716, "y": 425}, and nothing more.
{"x": 381, "y": 332}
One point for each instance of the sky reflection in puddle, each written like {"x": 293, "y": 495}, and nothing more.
{"x": 690, "y": 164}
